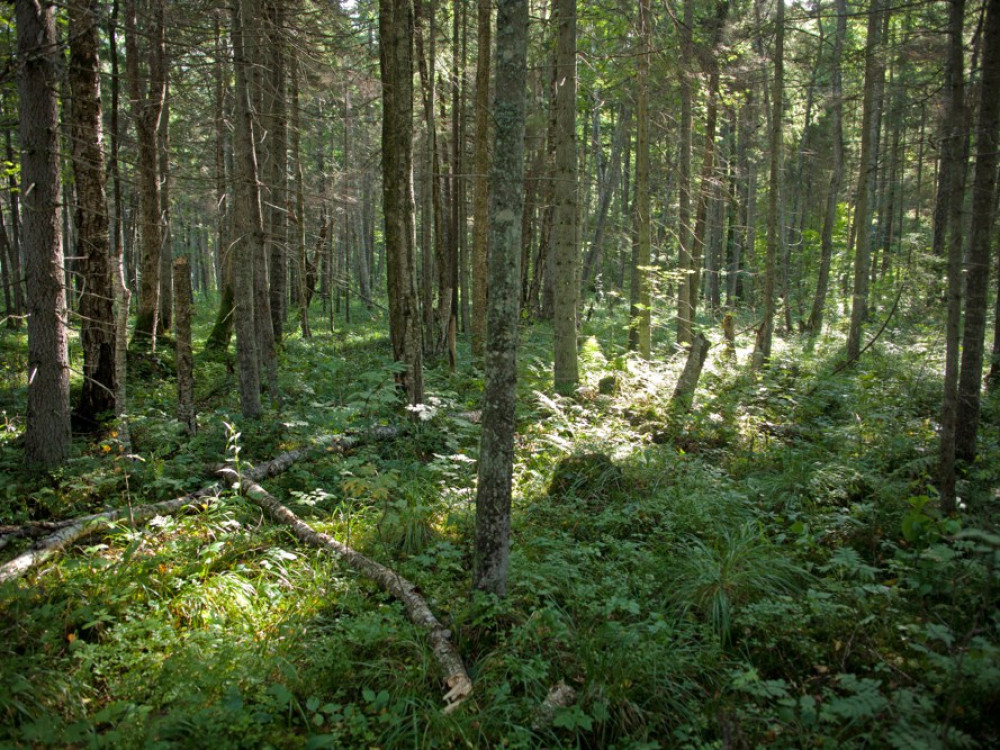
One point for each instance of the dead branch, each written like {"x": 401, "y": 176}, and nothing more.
{"x": 419, "y": 613}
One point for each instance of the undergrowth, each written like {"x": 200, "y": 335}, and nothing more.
{"x": 768, "y": 569}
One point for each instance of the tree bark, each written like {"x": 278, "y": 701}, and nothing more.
{"x": 247, "y": 232}
{"x": 867, "y": 168}
{"x": 765, "y": 333}
{"x": 493, "y": 495}
{"x": 565, "y": 251}
{"x": 640, "y": 313}
{"x": 688, "y": 382}
{"x": 951, "y": 191}
{"x": 836, "y": 174}
{"x": 183, "y": 306}
{"x": 396, "y": 64}
{"x": 146, "y": 110}
{"x": 685, "y": 321}
{"x": 977, "y": 270}
{"x": 97, "y": 313}
{"x": 47, "y": 434}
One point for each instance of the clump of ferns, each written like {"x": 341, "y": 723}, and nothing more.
{"x": 715, "y": 577}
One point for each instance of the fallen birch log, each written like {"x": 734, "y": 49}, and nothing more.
{"x": 417, "y": 609}
{"x": 83, "y": 527}
{"x": 73, "y": 530}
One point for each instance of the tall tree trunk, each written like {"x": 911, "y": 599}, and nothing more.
{"x": 147, "y": 108}
{"x": 247, "y": 233}
{"x": 304, "y": 274}
{"x": 97, "y": 314}
{"x": 493, "y": 494}
{"x": 396, "y": 64}
{"x": 565, "y": 253}
{"x": 867, "y": 168}
{"x": 611, "y": 180}
{"x": 166, "y": 242}
{"x": 222, "y": 330}
{"x": 709, "y": 180}
{"x": 185, "y": 358}
{"x": 836, "y": 174}
{"x": 640, "y": 314}
{"x": 275, "y": 92}
{"x": 47, "y": 433}
{"x": 765, "y": 333}
{"x": 977, "y": 272}
{"x": 953, "y": 171}
{"x": 685, "y": 317}
{"x": 480, "y": 196}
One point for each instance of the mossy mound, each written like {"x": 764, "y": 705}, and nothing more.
{"x": 586, "y": 476}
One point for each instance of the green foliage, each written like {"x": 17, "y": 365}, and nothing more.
{"x": 769, "y": 570}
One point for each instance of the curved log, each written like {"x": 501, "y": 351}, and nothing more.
{"x": 417, "y": 610}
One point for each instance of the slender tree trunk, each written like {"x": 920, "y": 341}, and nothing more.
{"x": 953, "y": 171}
{"x": 146, "y": 109}
{"x": 166, "y": 242}
{"x": 493, "y": 495}
{"x": 836, "y": 174}
{"x": 47, "y": 434}
{"x": 246, "y": 209}
{"x": 304, "y": 274}
{"x": 639, "y": 330}
{"x": 874, "y": 70}
{"x": 222, "y": 330}
{"x": 480, "y": 195}
{"x": 565, "y": 253}
{"x": 765, "y": 333}
{"x": 685, "y": 235}
{"x": 97, "y": 314}
{"x": 184, "y": 304}
{"x": 275, "y": 95}
{"x": 977, "y": 271}
{"x": 396, "y": 64}
{"x": 17, "y": 273}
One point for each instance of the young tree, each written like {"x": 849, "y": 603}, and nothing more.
{"x": 97, "y": 313}
{"x": 977, "y": 271}
{"x": 47, "y": 434}
{"x": 395, "y": 25}
{"x": 565, "y": 251}
{"x": 496, "y": 458}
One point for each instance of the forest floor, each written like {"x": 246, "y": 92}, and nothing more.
{"x": 768, "y": 569}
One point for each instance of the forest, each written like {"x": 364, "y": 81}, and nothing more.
{"x": 500, "y": 373}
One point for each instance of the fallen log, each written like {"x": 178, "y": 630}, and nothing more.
{"x": 88, "y": 525}
{"x": 65, "y": 533}
{"x": 417, "y": 610}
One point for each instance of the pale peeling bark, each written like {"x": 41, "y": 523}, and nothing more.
{"x": 47, "y": 436}
{"x": 417, "y": 610}
{"x": 493, "y": 495}
{"x": 65, "y": 533}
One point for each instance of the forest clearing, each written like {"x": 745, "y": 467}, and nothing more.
{"x": 423, "y": 374}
